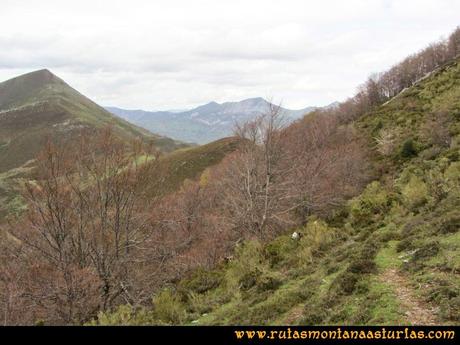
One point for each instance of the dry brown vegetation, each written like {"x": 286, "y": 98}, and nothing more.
{"x": 93, "y": 239}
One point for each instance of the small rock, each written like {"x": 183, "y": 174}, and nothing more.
{"x": 296, "y": 236}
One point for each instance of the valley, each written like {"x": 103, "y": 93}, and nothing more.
{"x": 188, "y": 218}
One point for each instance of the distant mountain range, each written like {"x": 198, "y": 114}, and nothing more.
{"x": 205, "y": 123}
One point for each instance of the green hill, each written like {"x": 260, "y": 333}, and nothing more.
{"x": 39, "y": 106}
{"x": 189, "y": 163}
{"x": 391, "y": 256}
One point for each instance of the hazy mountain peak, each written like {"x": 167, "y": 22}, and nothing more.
{"x": 27, "y": 87}
{"x": 39, "y": 105}
{"x": 255, "y": 100}
{"x": 205, "y": 123}
{"x": 36, "y": 78}
{"x": 42, "y": 73}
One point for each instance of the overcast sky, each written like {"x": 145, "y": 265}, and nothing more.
{"x": 157, "y": 55}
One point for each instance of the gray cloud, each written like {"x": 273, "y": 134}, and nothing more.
{"x": 175, "y": 54}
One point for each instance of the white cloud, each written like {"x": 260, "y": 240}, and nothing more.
{"x": 176, "y": 54}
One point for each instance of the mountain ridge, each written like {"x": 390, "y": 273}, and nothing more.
{"x": 205, "y": 123}
{"x": 39, "y": 106}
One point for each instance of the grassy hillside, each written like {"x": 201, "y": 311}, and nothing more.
{"x": 189, "y": 163}
{"x": 391, "y": 256}
{"x": 39, "y": 106}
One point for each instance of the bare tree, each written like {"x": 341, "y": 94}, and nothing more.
{"x": 86, "y": 220}
{"x": 252, "y": 197}
{"x": 325, "y": 164}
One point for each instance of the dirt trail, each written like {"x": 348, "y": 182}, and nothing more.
{"x": 294, "y": 315}
{"x": 417, "y": 311}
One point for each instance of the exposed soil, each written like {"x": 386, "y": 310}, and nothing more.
{"x": 417, "y": 312}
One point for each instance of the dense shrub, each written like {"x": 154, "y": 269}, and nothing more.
{"x": 313, "y": 315}
{"x": 345, "y": 282}
{"x": 405, "y": 244}
{"x": 373, "y": 200}
{"x": 249, "y": 279}
{"x": 415, "y": 192}
{"x": 168, "y": 308}
{"x": 362, "y": 265}
{"x": 426, "y": 250}
{"x": 197, "y": 303}
{"x": 363, "y": 262}
{"x": 430, "y": 153}
{"x": 279, "y": 250}
{"x": 317, "y": 235}
{"x": 452, "y": 173}
{"x": 124, "y": 315}
{"x": 408, "y": 149}
{"x": 201, "y": 280}
{"x": 386, "y": 141}
{"x": 249, "y": 263}
{"x": 450, "y": 222}
{"x": 268, "y": 281}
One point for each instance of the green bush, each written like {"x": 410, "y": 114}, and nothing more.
{"x": 168, "y": 308}
{"x": 124, "y": 315}
{"x": 362, "y": 265}
{"x": 317, "y": 236}
{"x": 426, "y": 250}
{"x": 268, "y": 281}
{"x": 452, "y": 173}
{"x": 408, "y": 149}
{"x": 445, "y": 294}
{"x": 201, "y": 281}
{"x": 430, "y": 153}
{"x": 450, "y": 222}
{"x": 415, "y": 193}
{"x": 345, "y": 282}
{"x": 248, "y": 264}
{"x": 270, "y": 309}
{"x": 363, "y": 261}
{"x": 450, "y": 309}
{"x": 279, "y": 250}
{"x": 406, "y": 244}
{"x": 197, "y": 303}
{"x": 373, "y": 200}
{"x": 249, "y": 279}
{"x": 313, "y": 315}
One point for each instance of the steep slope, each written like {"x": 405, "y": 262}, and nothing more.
{"x": 404, "y": 226}
{"x": 39, "y": 106}
{"x": 205, "y": 123}
{"x": 391, "y": 256}
{"x": 188, "y": 164}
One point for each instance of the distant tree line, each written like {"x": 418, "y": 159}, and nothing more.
{"x": 380, "y": 87}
